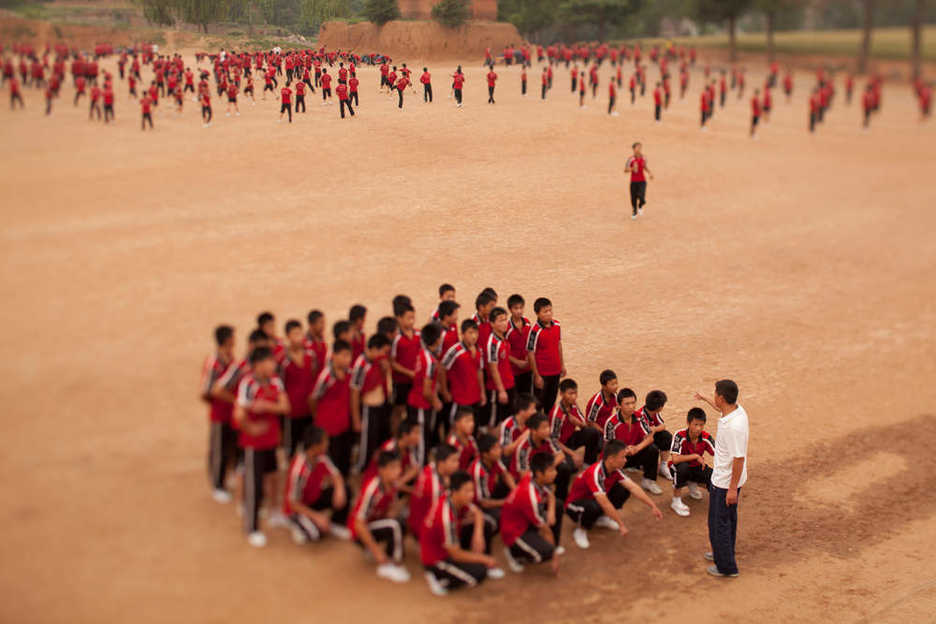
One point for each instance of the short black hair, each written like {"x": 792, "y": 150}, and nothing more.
{"x": 447, "y": 307}
{"x": 486, "y": 442}
{"x": 340, "y": 327}
{"x": 613, "y": 447}
{"x": 491, "y": 292}
{"x": 696, "y": 413}
{"x": 469, "y": 324}
{"x": 567, "y": 384}
{"x": 387, "y": 457}
{"x": 264, "y": 317}
{"x": 514, "y": 300}
{"x": 341, "y": 345}
{"x": 496, "y": 313}
{"x": 314, "y": 315}
{"x": 728, "y": 390}
{"x": 444, "y": 288}
{"x": 626, "y": 393}
{"x": 292, "y": 324}
{"x": 257, "y": 335}
{"x": 357, "y": 312}
{"x": 378, "y": 341}
{"x": 387, "y": 325}
{"x": 655, "y": 400}
{"x": 259, "y": 354}
{"x": 606, "y": 376}
{"x": 536, "y": 420}
{"x": 462, "y": 412}
{"x": 402, "y": 307}
{"x": 523, "y": 401}
{"x": 313, "y": 435}
{"x": 540, "y": 463}
{"x": 444, "y": 451}
{"x": 431, "y": 332}
{"x": 458, "y": 480}
{"x": 223, "y": 333}
{"x": 541, "y": 303}
{"x": 483, "y": 299}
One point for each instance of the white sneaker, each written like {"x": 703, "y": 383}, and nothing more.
{"x": 221, "y": 496}
{"x": 560, "y": 550}
{"x": 513, "y": 564}
{"x": 640, "y": 210}
{"x": 299, "y": 536}
{"x": 664, "y": 468}
{"x": 496, "y": 573}
{"x": 393, "y": 572}
{"x": 257, "y": 539}
{"x": 633, "y": 217}
{"x": 277, "y": 519}
{"x": 435, "y": 586}
{"x": 679, "y": 507}
{"x": 341, "y": 532}
{"x": 615, "y": 114}
{"x": 607, "y": 523}
{"x": 580, "y": 537}
{"x": 694, "y": 491}
{"x": 650, "y": 486}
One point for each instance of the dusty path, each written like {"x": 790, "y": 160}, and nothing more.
{"x": 802, "y": 266}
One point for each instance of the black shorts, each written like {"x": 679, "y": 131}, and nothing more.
{"x": 265, "y": 460}
{"x": 232, "y": 100}
{"x": 284, "y": 107}
{"x": 754, "y": 120}
{"x": 401, "y": 392}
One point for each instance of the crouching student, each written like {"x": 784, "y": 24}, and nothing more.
{"x": 626, "y": 427}
{"x": 687, "y": 461}
{"x": 313, "y": 487}
{"x": 430, "y": 485}
{"x": 374, "y": 521}
{"x": 530, "y": 523}
{"x": 491, "y": 480}
{"x": 568, "y": 427}
{"x": 652, "y": 416}
{"x": 452, "y": 541}
{"x": 599, "y": 492}
{"x": 406, "y": 445}
{"x": 539, "y": 441}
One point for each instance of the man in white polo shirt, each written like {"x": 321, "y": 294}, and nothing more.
{"x": 728, "y": 476}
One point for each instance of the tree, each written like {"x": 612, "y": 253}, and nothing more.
{"x": 451, "y": 13}
{"x": 722, "y": 10}
{"x": 381, "y": 11}
{"x": 916, "y": 27}
{"x": 529, "y": 16}
{"x": 159, "y": 12}
{"x": 201, "y": 12}
{"x": 602, "y": 13}
{"x": 866, "y": 36}
{"x": 771, "y": 9}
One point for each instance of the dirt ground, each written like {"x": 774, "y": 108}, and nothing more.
{"x": 801, "y": 266}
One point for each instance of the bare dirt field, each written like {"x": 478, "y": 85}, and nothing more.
{"x": 802, "y": 266}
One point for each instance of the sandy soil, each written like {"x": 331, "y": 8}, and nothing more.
{"x": 801, "y": 266}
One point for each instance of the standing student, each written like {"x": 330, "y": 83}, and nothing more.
{"x": 448, "y": 320}
{"x": 755, "y": 110}
{"x": 867, "y": 105}
{"x": 464, "y": 380}
{"x": 374, "y": 520}
{"x": 423, "y": 401}
{"x": 484, "y": 303}
{"x": 516, "y": 334}
{"x": 297, "y": 370}
{"x": 232, "y": 99}
{"x": 357, "y": 316}
{"x": 369, "y": 404}
{"x": 326, "y": 87}
{"x": 206, "y": 108}
{"x": 500, "y": 380}
{"x": 108, "y": 103}
{"x": 582, "y": 90}
{"x": 403, "y": 354}
{"x": 353, "y": 84}
{"x": 636, "y": 165}
{"x": 222, "y": 447}
{"x": 599, "y": 492}
{"x": 426, "y": 80}
{"x": 314, "y": 486}
{"x": 530, "y": 520}
{"x": 657, "y": 103}
{"x": 446, "y": 293}
{"x": 544, "y": 351}
{"x": 147, "y": 112}
{"x": 330, "y": 406}
{"x": 728, "y": 476}
{"x": 612, "y": 98}
{"x": 458, "y": 83}
{"x": 545, "y": 84}
{"x": 315, "y": 339}
{"x": 95, "y": 107}
{"x": 261, "y": 398}
{"x": 813, "y": 110}
{"x": 687, "y": 461}
{"x": 300, "y": 95}
{"x": 286, "y": 107}
{"x": 453, "y": 553}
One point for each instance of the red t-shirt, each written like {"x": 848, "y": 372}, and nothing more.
{"x": 300, "y": 89}
{"x": 426, "y": 492}
{"x": 214, "y": 369}
{"x": 491, "y": 78}
{"x": 592, "y": 482}
{"x": 683, "y": 445}
{"x": 372, "y": 504}
{"x": 441, "y": 530}
{"x": 408, "y": 458}
{"x": 467, "y": 451}
{"x": 326, "y": 81}
{"x": 299, "y": 379}
{"x": 306, "y": 480}
{"x": 405, "y": 350}
{"x": 342, "y": 92}
{"x": 425, "y": 369}
{"x": 252, "y": 389}
{"x": 462, "y": 368}
{"x": 517, "y": 340}
{"x": 485, "y": 478}
{"x": 561, "y": 425}
{"x": 496, "y": 352}
{"x": 657, "y": 97}
{"x": 543, "y": 341}
{"x": 333, "y": 412}
{"x": 599, "y": 408}
{"x": 640, "y": 163}
{"x": 353, "y": 84}
{"x": 425, "y": 78}
{"x": 458, "y": 80}
{"x": 403, "y": 83}
{"x": 755, "y": 106}
{"x": 320, "y": 349}
{"x": 287, "y": 95}
{"x": 524, "y": 508}
{"x": 146, "y": 104}
{"x": 527, "y": 450}
{"x": 629, "y": 430}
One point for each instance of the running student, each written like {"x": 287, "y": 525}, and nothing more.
{"x": 530, "y": 520}
{"x": 330, "y": 406}
{"x": 599, "y": 492}
{"x": 313, "y": 487}
{"x": 298, "y": 372}
{"x": 452, "y": 550}
{"x": 636, "y": 165}
{"x": 300, "y": 95}
{"x": 261, "y": 398}
{"x": 657, "y": 102}
{"x": 326, "y": 87}
{"x": 222, "y": 452}
{"x": 687, "y": 460}
{"x": 206, "y": 108}
{"x": 147, "y": 112}
{"x": 374, "y": 519}
{"x": 627, "y": 428}
{"x": 612, "y": 98}
{"x": 232, "y": 99}
{"x": 369, "y": 404}
{"x": 426, "y": 80}
{"x": 544, "y": 349}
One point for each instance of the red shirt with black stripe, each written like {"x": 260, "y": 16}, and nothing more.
{"x": 485, "y": 478}
{"x": 630, "y": 430}
{"x": 527, "y": 450}
{"x": 426, "y": 368}
{"x": 594, "y": 481}
{"x": 516, "y": 338}
{"x": 496, "y": 351}
{"x": 214, "y": 369}
{"x": 250, "y": 390}
{"x": 462, "y": 365}
{"x": 366, "y": 374}
{"x": 426, "y": 492}
{"x": 299, "y": 379}
{"x": 467, "y": 450}
{"x": 561, "y": 425}
{"x": 372, "y": 504}
{"x": 543, "y": 342}
{"x": 441, "y": 530}
{"x": 600, "y": 408}
{"x": 307, "y": 479}
{"x": 407, "y": 458}
{"x": 524, "y": 508}
{"x": 405, "y": 350}
{"x": 683, "y": 445}
{"x": 333, "y": 410}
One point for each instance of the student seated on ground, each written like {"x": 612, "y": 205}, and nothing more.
{"x": 530, "y": 521}
{"x": 687, "y": 462}
{"x": 314, "y": 486}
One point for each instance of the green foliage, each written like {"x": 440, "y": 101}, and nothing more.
{"x": 721, "y": 10}
{"x": 160, "y": 12}
{"x": 381, "y": 11}
{"x": 451, "y": 13}
{"x": 529, "y": 16}
{"x": 603, "y": 13}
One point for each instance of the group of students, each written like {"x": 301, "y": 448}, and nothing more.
{"x": 456, "y": 432}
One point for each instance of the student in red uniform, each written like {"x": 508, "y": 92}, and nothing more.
{"x": 626, "y": 427}
{"x": 232, "y": 99}
{"x": 491, "y": 81}
{"x": 687, "y": 461}
{"x": 286, "y": 106}
{"x": 599, "y": 492}
{"x": 523, "y": 81}
{"x": 261, "y": 398}
{"x": 636, "y": 165}
{"x": 755, "y": 110}
{"x": 357, "y": 316}
{"x": 569, "y": 429}
{"x": 867, "y": 105}
{"x": 446, "y": 293}
{"x": 514, "y": 430}
{"x": 452, "y": 551}
{"x": 374, "y": 519}
{"x": 604, "y": 402}
{"x": 788, "y": 85}
{"x": 430, "y": 485}
{"x": 401, "y": 85}
{"x": 147, "y": 111}
{"x": 539, "y": 440}
{"x": 206, "y": 108}
{"x": 300, "y": 95}
{"x": 545, "y": 86}
{"x": 652, "y": 416}
{"x": 313, "y": 487}
{"x": 461, "y": 437}
{"x": 369, "y": 397}
{"x": 403, "y": 353}
{"x": 297, "y": 370}
{"x": 582, "y": 90}
{"x": 405, "y": 444}
{"x": 426, "y": 80}
{"x": 326, "y": 86}
{"x": 767, "y": 104}
{"x": 330, "y": 406}
{"x": 95, "y": 107}
{"x": 516, "y": 335}
{"x": 500, "y": 381}
{"x": 544, "y": 349}
{"x": 492, "y": 481}
{"x": 353, "y": 84}
{"x": 458, "y": 83}
{"x": 612, "y": 98}
{"x": 463, "y": 370}
{"x": 657, "y": 102}
{"x": 423, "y": 401}
{"x": 813, "y": 109}
{"x": 108, "y": 103}
{"x": 530, "y": 521}
{"x": 343, "y": 102}
{"x": 222, "y": 453}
